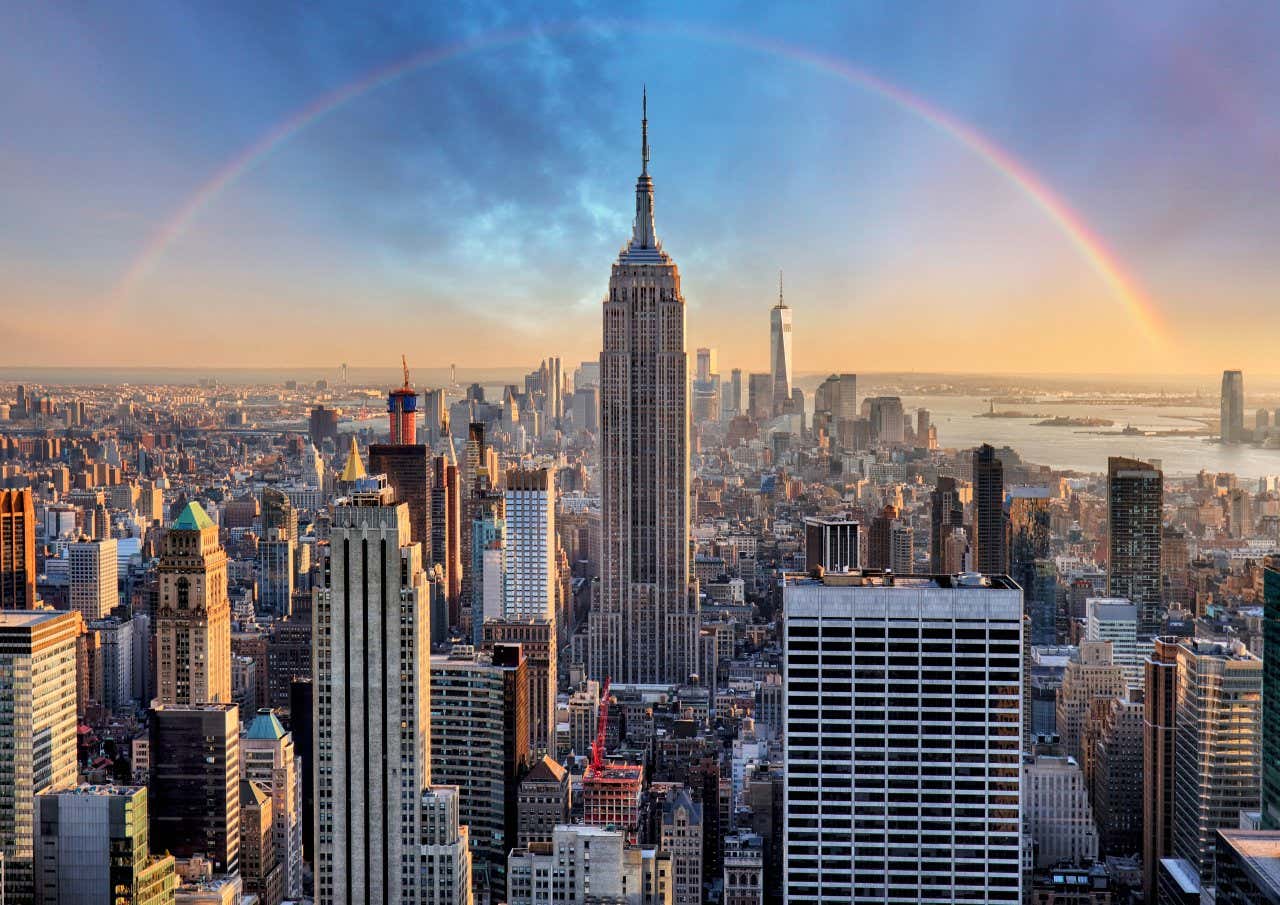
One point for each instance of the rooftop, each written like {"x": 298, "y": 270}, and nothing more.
{"x": 1259, "y": 852}
{"x": 878, "y": 578}
{"x": 193, "y": 518}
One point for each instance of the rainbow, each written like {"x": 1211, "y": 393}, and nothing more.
{"x": 1120, "y": 285}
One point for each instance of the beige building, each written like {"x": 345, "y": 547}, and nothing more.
{"x": 542, "y": 803}
{"x": 587, "y": 863}
{"x": 1091, "y": 674}
{"x": 644, "y": 628}
{"x": 93, "y": 570}
{"x": 193, "y": 617}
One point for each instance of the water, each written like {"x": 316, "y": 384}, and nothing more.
{"x": 1082, "y": 449}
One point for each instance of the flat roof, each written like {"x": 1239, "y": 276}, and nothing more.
{"x": 880, "y": 578}
{"x": 1259, "y": 851}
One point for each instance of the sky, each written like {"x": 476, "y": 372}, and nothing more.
{"x": 988, "y": 187}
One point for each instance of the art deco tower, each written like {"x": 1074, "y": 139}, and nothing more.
{"x": 644, "y": 627}
{"x": 193, "y": 620}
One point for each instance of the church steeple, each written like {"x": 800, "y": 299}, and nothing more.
{"x": 643, "y": 232}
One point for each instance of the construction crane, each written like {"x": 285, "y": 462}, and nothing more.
{"x": 405, "y": 366}
{"x": 597, "y": 749}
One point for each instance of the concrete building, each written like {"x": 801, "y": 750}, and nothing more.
{"x": 588, "y": 864}
{"x": 37, "y": 731}
{"x": 1247, "y": 867}
{"x": 94, "y": 580}
{"x": 542, "y": 803}
{"x": 1115, "y": 619}
{"x": 1158, "y": 722}
{"x": 1116, "y": 784}
{"x": 644, "y": 626}
{"x": 953, "y": 674}
{"x": 529, "y": 590}
{"x": 92, "y": 849}
{"x": 1057, "y": 813}
{"x": 113, "y": 668}
{"x": 831, "y": 542}
{"x": 194, "y": 784}
{"x": 371, "y": 704}
{"x": 1090, "y": 674}
{"x": 682, "y": 840}
{"x": 260, "y": 867}
{"x": 744, "y": 869}
{"x": 537, "y": 639}
{"x": 267, "y": 758}
{"x": 446, "y": 849}
{"x": 193, "y": 614}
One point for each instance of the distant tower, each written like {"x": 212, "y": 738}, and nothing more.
{"x": 780, "y": 352}
{"x": 645, "y": 627}
{"x": 1232, "y": 413}
{"x": 402, "y": 411}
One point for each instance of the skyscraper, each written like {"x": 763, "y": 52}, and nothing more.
{"x": 1135, "y": 494}
{"x": 371, "y": 703}
{"x": 780, "y": 353}
{"x": 937, "y": 819}
{"x": 446, "y": 530}
{"x": 267, "y": 758}
{"x": 645, "y": 625}
{"x": 529, "y": 586}
{"x": 94, "y": 841}
{"x": 831, "y": 542}
{"x": 277, "y": 552}
{"x": 989, "y": 555}
{"x": 193, "y": 617}
{"x": 195, "y": 782}
{"x": 1271, "y": 695}
{"x": 17, "y": 550}
{"x": 94, "y": 583}
{"x": 1159, "y": 708}
{"x": 946, "y": 513}
{"x": 37, "y": 731}
{"x": 408, "y": 471}
{"x": 402, "y": 412}
{"x": 446, "y": 849}
{"x": 1231, "y": 422}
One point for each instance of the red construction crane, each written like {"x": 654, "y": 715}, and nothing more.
{"x": 597, "y": 749}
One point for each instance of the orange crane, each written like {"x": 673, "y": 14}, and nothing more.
{"x": 597, "y": 749}
{"x": 405, "y": 366}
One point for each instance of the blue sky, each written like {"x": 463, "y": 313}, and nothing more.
{"x": 476, "y": 204}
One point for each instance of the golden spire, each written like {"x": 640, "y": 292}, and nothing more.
{"x": 354, "y": 469}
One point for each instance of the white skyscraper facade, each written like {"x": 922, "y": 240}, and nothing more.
{"x": 94, "y": 574}
{"x": 529, "y": 555}
{"x": 644, "y": 627}
{"x": 903, "y": 720}
{"x": 371, "y": 707}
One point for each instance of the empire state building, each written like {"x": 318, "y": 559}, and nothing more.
{"x": 644, "y": 626}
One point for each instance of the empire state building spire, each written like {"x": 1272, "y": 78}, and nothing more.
{"x": 643, "y": 232}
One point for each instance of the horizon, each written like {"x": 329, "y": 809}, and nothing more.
{"x": 904, "y": 191}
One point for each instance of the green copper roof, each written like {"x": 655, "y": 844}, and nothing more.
{"x": 193, "y": 518}
{"x": 265, "y": 726}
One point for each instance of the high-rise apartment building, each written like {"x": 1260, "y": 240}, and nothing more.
{"x": 194, "y": 784}
{"x": 1116, "y": 620}
{"x": 92, "y": 845}
{"x": 644, "y": 627}
{"x": 989, "y": 555}
{"x": 446, "y": 529}
{"x": 477, "y": 746}
{"x": 371, "y": 704}
{"x": 537, "y": 640}
{"x": 1116, "y": 786}
{"x": 17, "y": 550}
{"x": 903, "y": 775}
{"x": 780, "y": 365}
{"x": 1217, "y": 748}
{"x": 193, "y": 614}
{"x": 1135, "y": 495}
{"x": 277, "y": 553}
{"x": 37, "y": 731}
{"x": 487, "y": 560}
{"x": 1092, "y": 673}
{"x": 1231, "y": 418}
{"x": 94, "y": 586}
{"x": 267, "y": 758}
{"x": 529, "y": 584}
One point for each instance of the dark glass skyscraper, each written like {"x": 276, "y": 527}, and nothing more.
{"x": 989, "y": 555}
{"x": 1135, "y": 493}
{"x": 1232, "y": 407}
{"x": 946, "y": 513}
{"x": 1271, "y": 696}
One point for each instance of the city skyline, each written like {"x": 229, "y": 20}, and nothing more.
{"x": 890, "y": 183}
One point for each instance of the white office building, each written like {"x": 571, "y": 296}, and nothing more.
{"x": 1115, "y": 619}
{"x": 93, "y": 573}
{"x": 529, "y": 560}
{"x": 1059, "y": 819}
{"x": 903, "y": 724}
